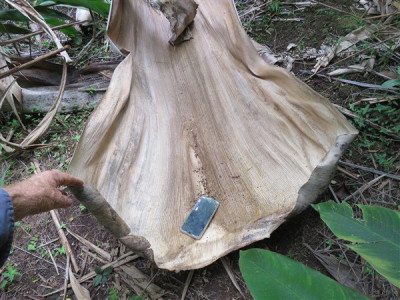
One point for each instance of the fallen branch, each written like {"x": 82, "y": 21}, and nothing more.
{"x": 228, "y": 270}
{"x": 66, "y": 277}
{"x": 349, "y": 113}
{"x": 357, "y": 53}
{"x": 37, "y": 256}
{"x": 32, "y": 62}
{"x": 364, "y": 187}
{"x": 187, "y": 283}
{"x": 388, "y": 175}
{"x": 91, "y": 246}
{"x": 24, "y": 7}
{"x": 128, "y": 257}
{"x": 143, "y": 282}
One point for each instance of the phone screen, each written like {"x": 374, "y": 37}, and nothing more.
{"x": 200, "y": 216}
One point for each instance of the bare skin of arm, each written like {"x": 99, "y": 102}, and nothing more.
{"x": 39, "y": 193}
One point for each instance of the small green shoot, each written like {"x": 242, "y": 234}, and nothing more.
{"x": 9, "y": 276}
{"x": 32, "y": 246}
{"x": 102, "y": 275}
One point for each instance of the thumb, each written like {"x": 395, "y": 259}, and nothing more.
{"x": 62, "y": 201}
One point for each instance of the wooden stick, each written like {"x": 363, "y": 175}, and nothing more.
{"x": 364, "y": 187}
{"x": 37, "y": 256}
{"x": 358, "y": 52}
{"x": 91, "y": 246}
{"x": 66, "y": 277}
{"x": 128, "y": 257}
{"x": 344, "y": 171}
{"x": 388, "y": 175}
{"x": 54, "y": 262}
{"x": 64, "y": 240}
{"x": 351, "y": 114}
{"x": 228, "y": 270}
{"x": 32, "y": 62}
{"x": 27, "y": 36}
{"x": 187, "y": 283}
{"x": 334, "y": 194}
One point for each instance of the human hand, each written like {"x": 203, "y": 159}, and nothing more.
{"x": 39, "y": 193}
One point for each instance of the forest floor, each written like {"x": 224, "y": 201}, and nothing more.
{"x": 374, "y": 112}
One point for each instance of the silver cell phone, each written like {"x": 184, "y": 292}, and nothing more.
{"x": 197, "y": 222}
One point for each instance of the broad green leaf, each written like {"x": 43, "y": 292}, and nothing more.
{"x": 391, "y": 83}
{"x": 12, "y": 15}
{"x": 269, "y": 275}
{"x": 377, "y": 236}
{"x": 10, "y": 28}
{"x": 98, "y": 6}
{"x": 47, "y": 12}
{"x": 70, "y": 31}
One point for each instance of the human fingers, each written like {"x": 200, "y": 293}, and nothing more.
{"x": 60, "y": 200}
{"x": 61, "y": 178}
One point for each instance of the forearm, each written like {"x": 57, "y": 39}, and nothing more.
{"x": 6, "y": 225}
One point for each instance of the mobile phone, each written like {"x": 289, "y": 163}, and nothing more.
{"x": 200, "y": 217}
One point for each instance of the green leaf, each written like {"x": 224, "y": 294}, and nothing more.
{"x": 107, "y": 271}
{"x": 47, "y": 12}
{"x": 3, "y": 176}
{"x": 3, "y": 284}
{"x": 269, "y": 275}
{"x": 10, "y": 28}
{"x": 98, "y": 270}
{"x": 99, "y": 6}
{"x": 391, "y": 83}
{"x": 377, "y": 236}
{"x": 70, "y": 31}
{"x": 97, "y": 280}
{"x": 12, "y": 15}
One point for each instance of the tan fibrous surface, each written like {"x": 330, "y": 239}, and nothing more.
{"x": 208, "y": 117}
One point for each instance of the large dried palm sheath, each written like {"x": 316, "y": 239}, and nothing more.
{"x": 207, "y": 117}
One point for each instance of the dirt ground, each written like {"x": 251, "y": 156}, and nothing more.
{"x": 318, "y": 24}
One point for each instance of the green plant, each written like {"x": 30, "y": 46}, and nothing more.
{"x": 63, "y": 225}
{"x": 3, "y": 176}
{"x": 52, "y": 16}
{"x": 31, "y": 169}
{"x": 91, "y": 90}
{"x": 82, "y": 207}
{"x": 10, "y": 274}
{"x": 269, "y": 275}
{"x": 275, "y": 7}
{"x": 376, "y": 238}
{"x": 114, "y": 294}
{"x": 391, "y": 83}
{"x": 32, "y": 246}
{"x": 102, "y": 275}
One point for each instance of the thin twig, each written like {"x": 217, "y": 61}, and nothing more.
{"x": 187, "y": 283}
{"x": 364, "y": 187}
{"x": 128, "y": 257}
{"x": 66, "y": 277}
{"x": 228, "y": 270}
{"x": 351, "y": 114}
{"x": 54, "y": 262}
{"x": 357, "y": 53}
{"x": 36, "y": 256}
{"x": 388, "y": 175}
{"x": 32, "y": 62}
{"x": 334, "y": 194}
